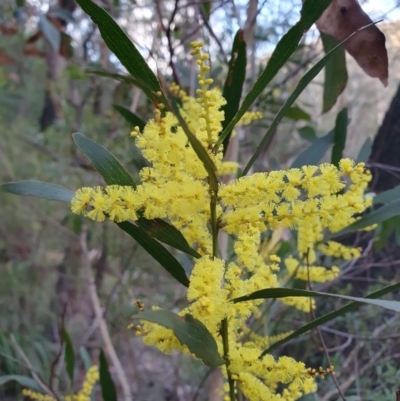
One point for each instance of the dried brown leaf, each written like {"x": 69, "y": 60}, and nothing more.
{"x": 8, "y": 30}
{"x": 5, "y": 59}
{"x": 31, "y": 50}
{"x": 35, "y": 37}
{"x": 344, "y": 17}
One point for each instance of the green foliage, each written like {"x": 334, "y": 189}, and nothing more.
{"x": 330, "y": 316}
{"x": 190, "y": 332}
{"x": 294, "y": 292}
{"x": 235, "y": 77}
{"x": 120, "y": 275}
{"x": 104, "y": 162}
{"x": 335, "y": 73}
{"x": 39, "y": 189}
{"x": 108, "y": 390}
{"x": 119, "y": 43}
{"x": 315, "y": 152}
{"x": 157, "y": 251}
{"x": 339, "y": 137}
{"x": 130, "y": 117}
{"x": 69, "y": 355}
{"x": 311, "y": 11}
{"x": 303, "y": 83}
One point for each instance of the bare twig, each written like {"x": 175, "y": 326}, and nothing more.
{"x": 60, "y": 352}
{"x": 201, "y": 384}
{"x": 108, "y": 346}
{"x": 168, "y": 31}
{"x": 353, "y": 354}
{"x": 215, "y": 37}
{"x": 34, "y": 374}
{"x": 326, "y": 352}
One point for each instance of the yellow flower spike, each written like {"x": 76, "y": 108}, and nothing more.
{"x": 313, "y": 199}
{"x": 33, "y": 395}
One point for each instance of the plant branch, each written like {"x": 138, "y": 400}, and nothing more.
{"x": 34, "y": 374}
{"x": 108, "y": 346}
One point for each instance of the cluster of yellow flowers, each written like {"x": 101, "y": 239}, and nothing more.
{"x": 311, "y": 199}
{"x": 92, "y": 376}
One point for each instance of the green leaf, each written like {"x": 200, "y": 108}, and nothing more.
{"x": 307, "y": 133}
{"x": 234, "y": 82}
{"x": 114, "y": 174}
{"x": 339, "y": 136}
{"x": 120, "y": 44}
{"x": 310, "y": 12}
{"x": 107, "y": 385}
{"x": 167, "y": 234}
{"x": 50, "y": 32}
{"x": 190, "y": 332}
{"x": 377, "y": 216}
{"x": 104, "y": 162}
{"x": 335, "y": 73}
{"x": 388, "y": 196}
{"x": 385, "y": 230}
{"x": 315, "y": 152}
{"x": 206, "y": 6}
{"x": 69, "y": 356}
{"x": 294, "y": 292}
{"x": 157, "y": 251}
{"x": 330, "y": 316}
{"x": 84, "y": 354}
{"x": 40, "y": 189}
{"x": 22, "y": 380}
{"x": 365, "y": 151}
{"x": 122, "y": 78}
{"x": 62, "y": 14}
{"x": 303, "y": 83}
{"x": 130, "y": 117}
{"x": 296, "y": 113}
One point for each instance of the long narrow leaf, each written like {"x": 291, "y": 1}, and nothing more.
{"x": 315, "y": 152}
{"x": 190, "y": 332}
{"x": 50, "y": 32}
{"x": 40, "y": 189}
{"x": 69, "y": 356}
{"x": 122, "y": 78}
{"x": 330, "y": 316}
{"x": 335, "y": 73}
{"x": 108, "y": 390}
{"x": 294, "y": 292}
{"x": 365, "y": 151}
{"x": 157, "y": 251}
{"x": 310, "y": 12}
{"x": 104, "y": 162}
{"x": 234, "y": 82}
{"x": 115, "y": 174}
{"x": 167, "y": 234}
{"x": 377, "y": 216}
{"x": 22, "y": 380}
{"x": 388, "y": 196}
{"x": 126, "y": 52}
{"x": 303, "y": 83}
{"x": 130, "y": 117}
{"x": 120, "y": 44}
{"x": 339, "y": 137}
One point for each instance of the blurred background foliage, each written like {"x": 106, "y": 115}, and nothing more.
{"x": 47, "y": 50}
